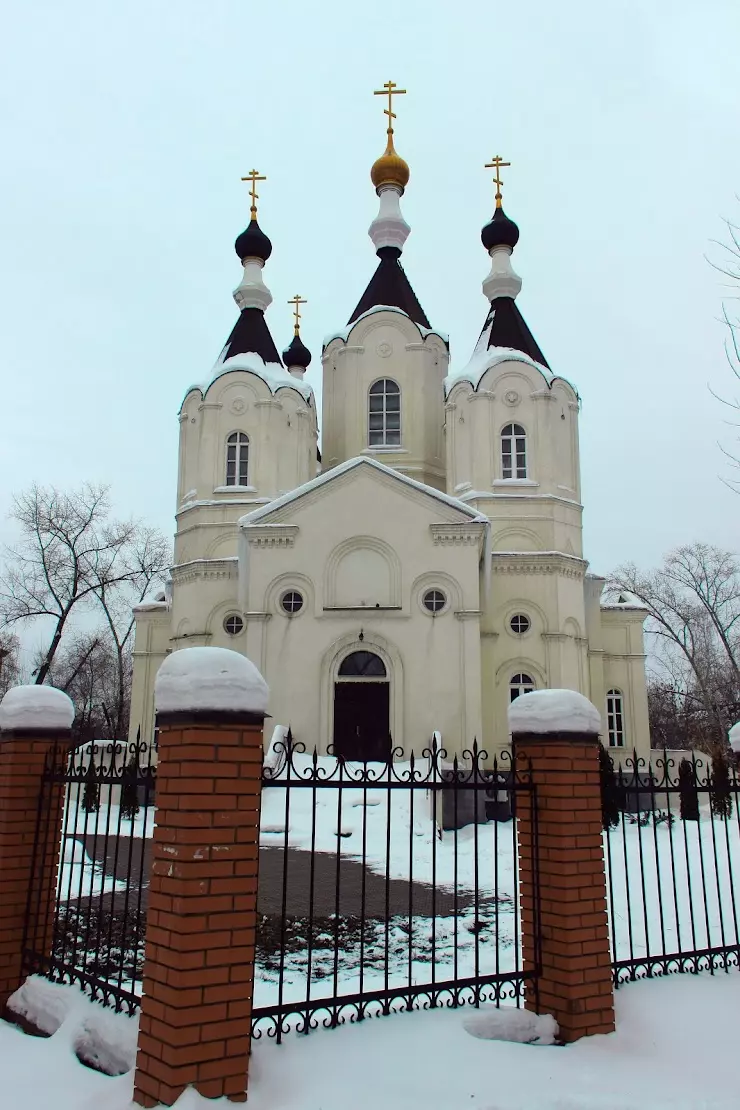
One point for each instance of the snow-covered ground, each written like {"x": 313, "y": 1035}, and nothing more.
{"x": 675, "y": 1048}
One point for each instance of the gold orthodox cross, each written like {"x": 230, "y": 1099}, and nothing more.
{"x": 390, "y": 89}
{"x": 296, "y": 302}
{"x": 253, "y": 176}
{"x": 497, "y": 165}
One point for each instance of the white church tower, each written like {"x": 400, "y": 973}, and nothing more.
{"x": 388, "y": 352}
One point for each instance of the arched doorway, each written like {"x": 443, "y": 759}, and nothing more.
{"x": 361, "y": 708}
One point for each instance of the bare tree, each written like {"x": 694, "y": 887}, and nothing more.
{"x": 147, "y": 559}
{"x": 72, "y": 556}
{"x": 694, "y": 604}
{"x": 729, "y": 266}
{"x": 85, "y": 668}
{"x": 9, "y": 661}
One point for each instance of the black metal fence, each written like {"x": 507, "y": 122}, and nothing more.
{"x": 95, "y": 936}
{"x": 672, "y": 849}
{"x": 386, "y": 886}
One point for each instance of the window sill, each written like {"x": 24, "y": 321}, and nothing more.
{"x": 524, "y": 482}
{"x": 385, "y": 450}
{"x": 235, "y": 489}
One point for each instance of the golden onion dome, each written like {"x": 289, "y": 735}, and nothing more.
{"x": 390, "y": 168}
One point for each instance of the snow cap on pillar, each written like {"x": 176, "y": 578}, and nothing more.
{"x": 734, "y": 737}
{"x": 554, "y": 711}
{"x": 210, "y": 680}
{"x": 36, "y": 708}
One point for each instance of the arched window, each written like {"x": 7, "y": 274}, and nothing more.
{"x": 513, "y": 451}
{"x": 384, "y": 414}
{"x": 615, "y": 718}
{"x": 362, "y": 664}
{"x": 520, "y": 684}
{"x": 237, "y": 459}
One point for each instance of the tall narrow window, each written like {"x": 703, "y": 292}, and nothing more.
{"x": 520, "y": 684}
{"x": 384, "y": 414}
{"x": 615, "y": 718}
{"x": 513, "y": 451}
{"x": 237, "y": 459}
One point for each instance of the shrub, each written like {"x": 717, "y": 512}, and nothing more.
{"x": 688, "y": 792}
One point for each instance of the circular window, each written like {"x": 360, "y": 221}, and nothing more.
{"x": 519, "y": 624}
{"x": 234, "y": 624}
{"x": 292, "y": 602}
{"x": 434, "y": 600}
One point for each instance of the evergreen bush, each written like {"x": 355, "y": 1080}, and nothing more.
{"x": 129, "y": 789}
{"x": 91, "y": 794}
{"x": 609, "y": 791}
{"x": 720, "y": 791}
{"x": 689, "y": 795}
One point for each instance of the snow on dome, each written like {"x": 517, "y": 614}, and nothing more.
{"x": 343, "y": 333}
{"x": 36, "y": 707}
{"x": 734, "y": 737}
{"x": 485, "y": 359}
{"x": 209, "y": 678}
{"x": 273, "y": 374}
{"x": 543, "y": 711}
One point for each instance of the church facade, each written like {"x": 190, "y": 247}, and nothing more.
{"x": 430, "y": 567}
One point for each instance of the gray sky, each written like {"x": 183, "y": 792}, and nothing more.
{"x": 126, "y": 129}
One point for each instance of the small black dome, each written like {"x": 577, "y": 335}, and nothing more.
{"x": 253, "y": 243}
{"x": 500, "y": 232}
{"x": 297, "y": 354}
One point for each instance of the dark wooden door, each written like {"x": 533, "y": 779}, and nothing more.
{"x": 361, "y": 730}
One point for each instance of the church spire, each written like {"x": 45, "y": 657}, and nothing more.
{"x": 505, "y": 326}
{"x": 251, "y": 333}
{"x": 297, "y": 356}
{"x": 389, "y": 231}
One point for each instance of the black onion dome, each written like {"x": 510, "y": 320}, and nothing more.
{"x": 297, "y": 354}
{"x": 500, "y": 232}
{"x": 253, "y": 243}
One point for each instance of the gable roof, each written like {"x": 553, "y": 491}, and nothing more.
{"x": 390, "y": 286}
{"x": 259, "y": 515}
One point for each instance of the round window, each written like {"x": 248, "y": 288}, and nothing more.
{"x": 292, "y": 602}
{"x": 234, "y": 624}
{"x": 434, "y": 600}
{"x": 519, "y": 624}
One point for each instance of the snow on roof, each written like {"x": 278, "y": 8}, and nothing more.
{"x": 484, "y": 359}
{"x": 543, "y": 711}
{"x": 273, "y": 374}
{"x": 36, "y": 707}
{"x": 362, "y": 460}
{"x": 201, "y": 679}
{"x": 344, "y": 333}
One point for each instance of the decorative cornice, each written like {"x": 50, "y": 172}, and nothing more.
{"x": 256, "y": 615}
{"x": 543, "y": 395}
{"x": 457, "y": 535}
{"x": 209, "y": 405}
{"x": 355, "y": 349}
{"x": 468, "y": 614}
{"x": 271, "y": 535}
{"x": 268, "y": 403}
{"x": 211, "y": 569}
{"x": 534, "y": 562}
{"x": 481, "y": 395}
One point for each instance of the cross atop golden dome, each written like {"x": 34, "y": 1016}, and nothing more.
{"x": 390, "y": 168}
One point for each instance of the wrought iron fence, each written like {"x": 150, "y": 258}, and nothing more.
{"x": 386, "y": 886}
{"x": 95, "y": 934}
{"x": 672, "y": 848}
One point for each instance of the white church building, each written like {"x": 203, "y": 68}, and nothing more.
{"x": 429, "y": 568}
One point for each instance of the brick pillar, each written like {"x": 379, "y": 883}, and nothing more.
{"x": 35, "y": 725}
{"x": 565, "y": 929}
{"x": 195, "y": 1025}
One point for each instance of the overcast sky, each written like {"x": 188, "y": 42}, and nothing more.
{"x": 126, "y": 128}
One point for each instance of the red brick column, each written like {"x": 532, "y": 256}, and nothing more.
{"x": 195, "y": 1025}
{"x": 561, "y": 862}
{"x": 34, "y": 726}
